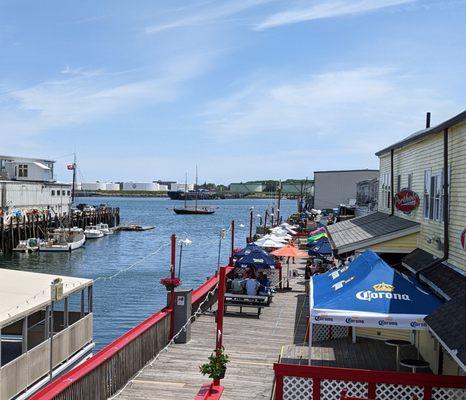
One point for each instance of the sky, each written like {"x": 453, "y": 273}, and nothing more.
{"x": 246, "y": 89}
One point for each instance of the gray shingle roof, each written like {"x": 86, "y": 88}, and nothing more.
{"x": 418, "y": 259}
{"x": 368, "y": 230}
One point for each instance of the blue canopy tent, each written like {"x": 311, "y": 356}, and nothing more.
{"x": 248, "y": 249}
{"x": 369, "y": 293}
{"x": 257, "y": 259}
{"x": 321, "y": 247}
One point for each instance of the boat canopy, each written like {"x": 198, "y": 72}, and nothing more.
{"x": 23, "y": 293}
{"x": 369, "y": 293}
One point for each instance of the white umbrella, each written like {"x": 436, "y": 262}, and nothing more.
{"x": 276, "y": 238}
{"x": 269, "y": 243}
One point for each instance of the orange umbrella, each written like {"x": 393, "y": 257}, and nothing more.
{"x": 289, "y": 251}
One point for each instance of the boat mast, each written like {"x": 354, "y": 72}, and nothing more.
{"x": 73, "y": 185}
{"x": 185, "y": 188}
{"x": 196, "y": 189}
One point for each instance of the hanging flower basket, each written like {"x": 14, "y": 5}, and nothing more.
{"x": 170, "y": 283}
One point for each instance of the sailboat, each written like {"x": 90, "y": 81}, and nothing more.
{"x": 190, "y": 210}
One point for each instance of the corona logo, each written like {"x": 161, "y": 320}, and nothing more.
{"x": 383, "y": 287}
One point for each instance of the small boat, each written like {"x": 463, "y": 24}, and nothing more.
{"x": 28, "y": 246}
{"x": 135, "y": 228}
{"x": 63, "y": 239}
{"x": 92, "y": 232}
{"x": 104, "y": 229}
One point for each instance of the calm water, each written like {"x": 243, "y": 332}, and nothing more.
{"x": 122, "y": 302}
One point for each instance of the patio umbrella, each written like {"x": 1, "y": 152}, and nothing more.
{"x": 314, "y": 238}
{"x": 321, "y": 248}
{"x": 316, "y": 231}
{"x": 269, "y": 243}
{"x": 275, "y": 237}
{"x": 289, "y": 251}
{"x": 248, "y": 249}
{"x": 256, "y": 259}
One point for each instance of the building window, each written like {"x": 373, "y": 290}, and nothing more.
{"x": 433, "y": 195}
{"x": 386, "y": 191}
{"x": 410, "y": 181}
{"x": 398, "y": 183}
{"x": 68, "y": 193}
{"x": 53, "y": 192}
{"x": 22, "y": 171}
{"x": 63, "y": 193}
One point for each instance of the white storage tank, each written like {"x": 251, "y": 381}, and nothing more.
{"x": 93, "y": 186}
{"x": 112, "y": 186}
{"x": 140, "y": 186}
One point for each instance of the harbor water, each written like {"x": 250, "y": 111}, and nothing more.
{"x": 126, "y": 293}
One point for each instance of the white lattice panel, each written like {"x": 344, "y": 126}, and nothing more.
{"x": 331, "y": 389}
{"x": 396, "y": 392}
{"x": 339, "y": 332}
{"x": 448, "y": 394}
{"x": 320, "y": 333}
{"x": 297, "y": 388}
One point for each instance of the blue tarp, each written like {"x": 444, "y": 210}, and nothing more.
{"x": 370, "y": 293}
{"x": 256, "y": 259}
{"x": 246, "y": 250}
{"x": 321, "y": 247}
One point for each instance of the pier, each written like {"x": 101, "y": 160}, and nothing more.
{"x": 36, "y": 225}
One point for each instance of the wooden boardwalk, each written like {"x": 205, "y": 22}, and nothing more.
{"x": 252, "y": 344}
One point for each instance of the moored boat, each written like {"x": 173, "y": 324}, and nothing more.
{"x": 104, "y": 229}
{"x": 186, "y": 210}
{"x": 93, "y": 232}
{"x": 63, "y": 239}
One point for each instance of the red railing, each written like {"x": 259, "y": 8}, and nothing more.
{"x": 209, "y": 392}
{"x": 325, "y": 383}
{"x": 111, "y": 368}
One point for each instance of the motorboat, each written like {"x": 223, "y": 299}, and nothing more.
{"x": 28, "y": 246}
{"x": 93, "y": 232}
{"x": 63, "y": 239}
{"x": 27, "y": 363}
{"x": 104, "y": 229}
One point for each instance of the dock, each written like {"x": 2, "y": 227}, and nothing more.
{"x": 252, "y": 344}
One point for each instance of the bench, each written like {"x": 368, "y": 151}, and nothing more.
{"x": 245, "y": 301}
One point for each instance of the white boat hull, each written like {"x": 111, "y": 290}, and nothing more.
{"x": 94, "y": 235}
{"x": 63, "y": 247}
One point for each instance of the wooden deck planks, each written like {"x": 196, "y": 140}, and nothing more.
{"x": 252, "y": 344}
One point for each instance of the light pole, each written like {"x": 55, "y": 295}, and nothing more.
{"x": 222, "y": 236}
{"x": 251, "y": 218}
{"x": 185, "y": 242}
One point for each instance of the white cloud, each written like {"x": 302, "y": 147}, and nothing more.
{"x": 83, "y": 96}
{"x": 326, "y": 9}
{"x": 357, "y": 110}
{"x": 207, "y": 14}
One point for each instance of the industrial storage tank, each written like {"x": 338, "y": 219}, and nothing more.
{"x": 140, "y": 186}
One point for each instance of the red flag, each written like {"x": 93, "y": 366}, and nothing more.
{"x": 70, "y": 166}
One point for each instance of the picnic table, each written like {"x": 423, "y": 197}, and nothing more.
{"x": 246, "y": 301}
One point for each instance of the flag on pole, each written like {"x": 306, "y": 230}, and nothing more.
{"x": 70, "y": 166}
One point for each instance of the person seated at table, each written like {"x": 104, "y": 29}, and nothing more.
{"x": 252, "y": 285}
{"x": 237, "y": 285}
{"x": 264, "y": 282}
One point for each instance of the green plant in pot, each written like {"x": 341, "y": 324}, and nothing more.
{"x": 217, "y": 365}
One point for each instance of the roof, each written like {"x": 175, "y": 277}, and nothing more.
{"x": 347, "y": 170}
{"x": 368, "y": 230}
{"x": 417, "y": 259}
{"x": 16, "y": 158}
{"x": 40, "y": 165}
{"x": 23, "y": 293}
{"x": 419, "y": 135}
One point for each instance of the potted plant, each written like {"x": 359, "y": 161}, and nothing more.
{"x": 170, "y": 283}
{"x": 217, "y": 365}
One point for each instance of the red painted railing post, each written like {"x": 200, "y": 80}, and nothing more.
{"x": 427, "y": 393}
{"x": 371, "y": 390}
{"x": 172, "y": 291}
{"x": 315, "y": 388}
{"x": 278, "y": 386}
{"x": 220, "y": 311}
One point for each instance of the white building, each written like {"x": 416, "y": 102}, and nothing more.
{"x": 93, "y": 186}
{"x": 181, "y": 187}
{"x": 112, "y": 186}
{"x": 332, "y": 188}
{"x": 26, "y": 169}
{"x": 141, "y": 186}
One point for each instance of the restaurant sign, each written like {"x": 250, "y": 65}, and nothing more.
{"x": 406, "y": 200}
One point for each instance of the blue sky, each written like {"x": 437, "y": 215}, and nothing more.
{"x": 246, "y": 89}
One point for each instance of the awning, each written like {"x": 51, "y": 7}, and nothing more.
{"x": 374, "y": 230}
{"x": 369, "y": 293}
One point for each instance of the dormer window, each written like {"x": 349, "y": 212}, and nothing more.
{"x": 22, "y": 171}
